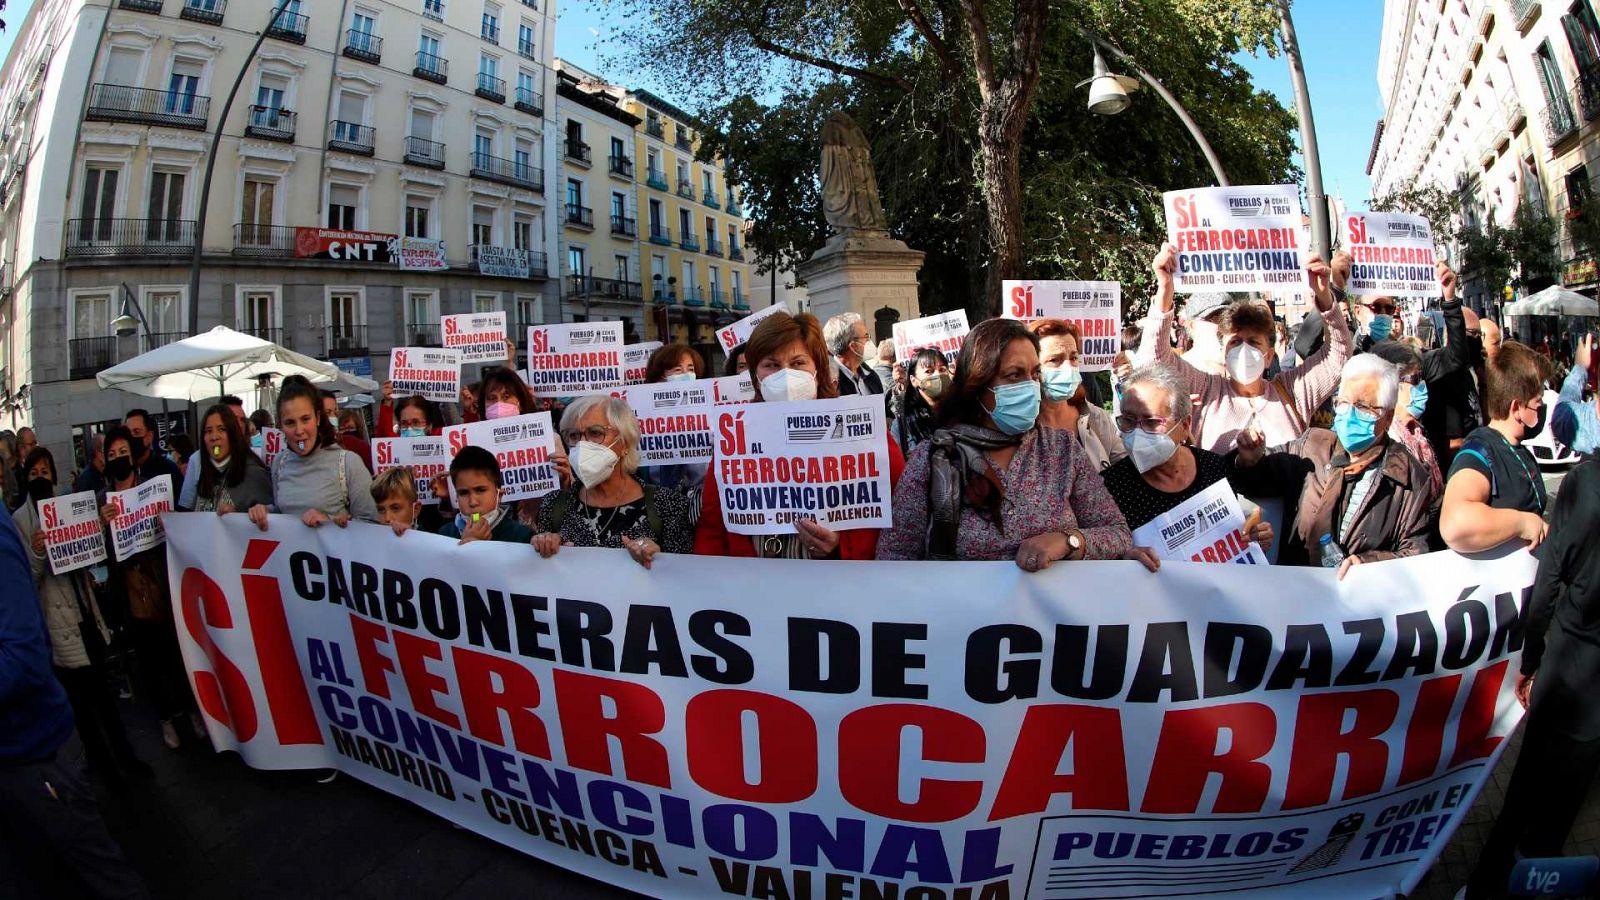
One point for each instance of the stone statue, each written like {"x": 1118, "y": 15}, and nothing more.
{"x": 850, "y": 199}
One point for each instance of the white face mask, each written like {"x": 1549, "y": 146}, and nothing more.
{"x": 1246, "y": 363}
{"x": 789, "y": 384}
{"x": 1148, "y": 450}
{"x": 593, "y": 463}
{"x": 681, "y": 376}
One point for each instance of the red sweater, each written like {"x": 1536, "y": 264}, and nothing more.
{"x": 712, "y": 538}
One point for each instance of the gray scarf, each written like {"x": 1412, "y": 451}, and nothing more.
{"x": 958, "y": 476}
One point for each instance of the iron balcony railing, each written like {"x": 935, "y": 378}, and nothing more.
{"x": 624, "y": 226}
{"x": 344, "y": 340}
{"x": 538, "y": 262}
{"x": 685, "y": 189}
{"x": 713, "y": 247}
{"x": 490, "y": 32}
{"x": 363, "y": 45}
{"x": 505, "y": 171}
{"x": 431, "y": 68}
{"x": 621, "y": 166}
{"x": 491, "y": 88}
{"x": 613, "y": 288}
{"x": 529, "y": 101}
{"x": 289, "y": 27}
{"x": 580, "y": 216}
{"x": 655, "y": 129}
{"x": 129, "y": 237}
{"x": 90, "y": 355}
{"x": 119, "y": 103}
{"x": 577, "y": 151}
{"x": 660, "y": 234}
{"x": 734, "y": 209}
{"x": 422, "y": 334}
{"x": 351, "y": 138}
{"x": 526, "y": 50}
{"x": 207, "y": 11}
{"x": 689, "y": 242}
{"x": 270, "y": 123}
{"x": 693, "y": 297}
{"x": 250, "y": 239}
{"x": 717, "y": 299}
{"x": 736, "y": 253}
{"x": 657, "y": 180}
{"x": 739, "y": 301}
{"x": 1558, "y": 119}
{"x": 145, "y": 6}
{"x": 709, "y": 198}
{"x": 683, "y": 141}
{"x": 423, "y": 152}
{"x": 161, "y": 339}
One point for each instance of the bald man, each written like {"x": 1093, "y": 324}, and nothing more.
{"x": 1491, "y": 338}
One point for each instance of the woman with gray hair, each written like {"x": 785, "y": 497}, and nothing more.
{"x": 607, "y": 506}
{"x": 1162, "y": 469}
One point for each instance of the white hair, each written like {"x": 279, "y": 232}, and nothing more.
{"x": 839, "y": 332}
{"x": 1371, "y": 365}
{"x": 619, "y": 415}
{"x": 1164, "y": 377}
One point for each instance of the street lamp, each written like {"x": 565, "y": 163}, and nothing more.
{"x": 128, "y": 320}
{"x": 1108, "y": 93}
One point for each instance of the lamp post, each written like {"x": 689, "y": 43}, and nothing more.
{"x": 1321, "y": 241}
{"x": 211, "y": 166}
{"x": 128, "y": 321}
{"x": 1108, "y": 95}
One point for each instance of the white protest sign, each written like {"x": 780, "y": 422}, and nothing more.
{"x": 137, "y": 525}
{"x": 1208, "y": 527}
{"x": 732, "y": 389}
{"x": 635, "y": 357}
{"x": 481, "y": 337}
{"x": 272, "y": 443}
{"x": 1094, "y": 306}
{"x": 1237, "y": 238}
{"x": 565, "y": 360}
{"x": 1391, "y": 254}
{"x": 422, "y": 254}
{"x": 434, "y": 373}
{"x": 73, "y": 536}
{"x": 425, "y": 455}
{"x": 674, "y": 421}
{"x": 523, "y": 446}
{"x": 739, "y": 332}
{"x": 943, "y": 332}
{"x": 826, "y": 460}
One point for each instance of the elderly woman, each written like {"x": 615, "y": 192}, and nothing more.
{"x": 991, "y": 484}
{"x": 1365, "y": 494}
{"x": 1066, "y": 402}
{"x": 1242, "y": 398}
{"x": 788, "y": 361}
{"x": 916, "y": 408}
{"x": 608, "y": 506}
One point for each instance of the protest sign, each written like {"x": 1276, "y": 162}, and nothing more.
{"x": 826, "y": 460}
{"x": 422, "y": 254}
{"x": 674, "y": 421}
{"x": 1094, "y": 306}
{"x": 425, "y": 455}
{"x": 504, "y": 262}
{"x": 136, "y": 527}
{"x": 434, "y": 373}
{"x": 635, "y": 357}
{"x": 350, "y": 246}
{"x": 1391, "y": 254}
{"x": 732, "y": 389}
{"x": 271, "y": 445}
{"x": 944, "y": 332}
{"x": 1237, "y": 238}
{"x": 739, "y": 332}
{"x": 73, "y": 535}
{"x": 566, "y": 360}
{"x": 1208, "y": 527}
{"x": 480, "y": 337}
{"x": 522, "y": 445}
{"x": 681, "y": 742}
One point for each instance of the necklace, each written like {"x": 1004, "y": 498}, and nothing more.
{"x": 1534, "y": 482}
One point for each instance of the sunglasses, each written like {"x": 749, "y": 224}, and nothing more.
{"x": 1382, "y": 309}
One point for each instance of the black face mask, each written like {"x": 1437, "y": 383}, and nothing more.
{"x": 41, "y": 489}
{"x": 119, "y": 469}
{"x": 1531, "y": 432}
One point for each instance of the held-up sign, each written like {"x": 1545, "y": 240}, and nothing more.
{"x": 739, "y": 332}
{"x": 523, "y": 446}
{"x": 1237, "y": 238}
{"x": 574, "y": 358}
{"x": 422, "y": 254}
{"x": 943, "y": 332}
{"x": 271, "y": 445}
{"x": 825, "y": 460}
{"x": 72, "y": 534}
{"x": 481, "y": 337}
{"x": 137, "y": 525}
{"x": 674, "y": 421}
{"x": 1391, "y": 254}
{"x": 635, "y": 358}
{"x": 425, "y": 455}
{"x": 1208, "y": 527}
{"x": 732, "y": 389}
{"x": 1094, "y": 306}
{"x": 432, "y": 372}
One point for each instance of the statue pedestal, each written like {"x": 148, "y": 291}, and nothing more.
{"x": 863, "y": 272}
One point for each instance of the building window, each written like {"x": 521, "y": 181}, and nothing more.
{"x": 683, "y": 175}
{"x": 653, "y": 163}
{"x": 711, "y": 229}
{"x": 482, "y": 147}
{"x": 422, "y": 124}
{"x": 619, "y": 205}
{"x": 363, "y": 25}
{"x": 523, "y": 157}
{"x": 733, "y": 239}
{"x": 489, "y": 66}
{"x": 343, "y": 201}
{"x": 527, "y": 44}
{"x": 484, "y": 301}
{"x": 165, "y": 309}
{"x": 528, "y": 309}
{"x": 483, "y": 225}
{"x": 655, "y": 218}
{"x": 346, "y": 316}
{"x": 433, "y": 9}
{"x": 738, "y": 286}
{"x": 527, "y": 90}
{"x": 183, "y": 85}
{"x": 522, "y": 233}
{"x": 1583, "y": 34}
{"x": 271, "y": 92}
{"x": 258, "y": 312}
{"x": 422, "y": 312}
{"x": 577, "y": 263}
{"x": 574, "y": 192}
{"x": 1555, "y": 91}
{"x": 257, "y": 213}
{"x": 123, "y": 65}
{"x": 714, "y": 276}
{"x": 685, "y": 225}
{"x": 99, "y": 204}
{"x": 490, "y": 29}
{"x": 91, "y": 315}
{"x": 428, "y": 44}
{"x": 419, "y": 216}
{"x": 708, "y": 183}
{"x": 166, "y": 199}
{"x": 622, "y": 267}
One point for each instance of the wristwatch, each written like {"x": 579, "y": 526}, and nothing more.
{"x": 1074, "y": 542}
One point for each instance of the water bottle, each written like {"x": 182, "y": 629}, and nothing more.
{"x": 1332, "y": 556}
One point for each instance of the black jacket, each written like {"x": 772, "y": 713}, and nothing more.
{"x": 1452, "y": 409}
{"x": 1566, "y": 603}
{"x": 869, "y": 380}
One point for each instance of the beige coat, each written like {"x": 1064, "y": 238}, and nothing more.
{"x": 1098, "y": 434}
{"x": 59, "y": 599}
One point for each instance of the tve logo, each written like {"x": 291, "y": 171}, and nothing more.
{"x": 1556, "y": 876}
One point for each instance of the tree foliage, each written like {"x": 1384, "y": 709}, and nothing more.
{"x": 1432, "y": 202}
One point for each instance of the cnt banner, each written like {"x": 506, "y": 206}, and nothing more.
{"x": 912, "y": 729}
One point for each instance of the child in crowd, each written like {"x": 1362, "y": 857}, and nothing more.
{"x": 479, "y": 517}
{"x": 395, "y": 494}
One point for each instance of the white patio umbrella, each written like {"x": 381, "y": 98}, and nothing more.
{"x": 221, "y": 361}
{"x": 1555, "y": 301}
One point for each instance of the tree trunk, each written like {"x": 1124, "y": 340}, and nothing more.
{"x": 999, "y": 139}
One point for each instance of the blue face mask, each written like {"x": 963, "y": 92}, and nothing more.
{"x": 1381, "y": 327}
{"x": 1062, "y": 383}
{"x": 1016, "y": 406}
{"x": 413, "y": 432}
{"x": 1356, "y": 430}
{"x": 258, "y": 440}
{"x": 1419, "y": 399}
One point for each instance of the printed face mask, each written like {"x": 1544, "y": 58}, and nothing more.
{"x": 934, "y": 385}
{"x": 1016, "y": 406}
{"x": 789, "y": 384}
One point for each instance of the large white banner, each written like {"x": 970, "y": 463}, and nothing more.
{"x": 1094, "y": 306}
{"x": 1391, "y": 254}
{"x": 716, "y": 725}
{"x": 1242, "y": 238}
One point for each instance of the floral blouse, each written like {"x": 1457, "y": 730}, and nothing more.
{"x": 1050, "y": 485}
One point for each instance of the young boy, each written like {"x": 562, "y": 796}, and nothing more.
{"x": 395, "y": 494}
{"x": 479, "y": 515}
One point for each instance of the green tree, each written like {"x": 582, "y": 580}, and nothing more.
{"x": 1430, "y": 201}
{"x": 1487, "y": 252}
{"x": 1531, "y": 242}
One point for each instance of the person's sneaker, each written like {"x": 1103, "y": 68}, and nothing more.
{"x": 169, "y": 734}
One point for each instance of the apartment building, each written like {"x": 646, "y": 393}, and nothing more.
{"x": 384, "y": 162}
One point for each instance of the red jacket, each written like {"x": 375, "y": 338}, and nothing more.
{"x": 712, "y": 538}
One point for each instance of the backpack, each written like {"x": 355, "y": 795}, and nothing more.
{"x": 563, "y": 502}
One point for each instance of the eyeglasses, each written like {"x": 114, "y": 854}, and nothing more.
{"x": 1151, "y": 424}
{"x": 595, "y": 434}
{"x": 1376, "y": 412}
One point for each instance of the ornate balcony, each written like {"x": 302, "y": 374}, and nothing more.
{"x": 529, "y": 101}
{"x": 207, "y": 11}
{"x": 620, "y": 166}
{"x": 363, "y": 45}
{"x": 491, "y": 88}
{"x": 108, "y": 238}
{"x": 270, "y": 124}
{"x": 119, "y": 103}
{"x": 505, "y": 171}
{"x": 425, "y": 153}
{"x": 289, "y": 27}
{"x": 432, "y": 68}
{"x": 351, "y": 138}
